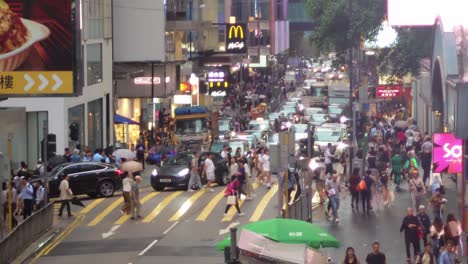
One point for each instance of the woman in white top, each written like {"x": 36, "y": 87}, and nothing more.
{"x": 435, "y": 181}
{"x": 437, "y": 233}
{"x": 127, "y": 183}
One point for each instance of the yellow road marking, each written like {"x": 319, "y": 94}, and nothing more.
{"x": 161, "y": 207}
{"x": 211, "y": 205}
{"x": 232, "y": 211}
{"x": 46, "y": 250}
{"x": 91, "y": 206}
{"x": 104, "y": 213}
{"x": 187, "y": 204}
{"x": 125, "y": 217}
{"x": 263, "y": 203}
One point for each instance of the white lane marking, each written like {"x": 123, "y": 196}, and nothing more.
{"x": 111, "y": 232}
{"x": 170, "y": 228}
{"x": 148, "y": 247}
{"x": 228, "y": 228}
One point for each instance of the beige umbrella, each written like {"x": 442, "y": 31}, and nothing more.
{"x": 401, "y": 124}
{"x": 132, "y": 166}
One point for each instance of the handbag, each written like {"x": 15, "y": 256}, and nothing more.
{"x": 231, "y": 200}
{"x": 420, "y": 233}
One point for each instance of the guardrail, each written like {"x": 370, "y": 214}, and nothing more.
{"x": 25, "y": 233}
{"x": 301, "y": 209}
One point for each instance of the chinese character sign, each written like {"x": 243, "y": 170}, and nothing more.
{"x": 447, "y": 153}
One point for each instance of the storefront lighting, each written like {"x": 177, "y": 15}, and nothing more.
{"x": 232, "y": 20}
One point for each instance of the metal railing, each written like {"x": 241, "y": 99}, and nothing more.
{"x": 26, "y": 233}
{"x": 301, "y": 209}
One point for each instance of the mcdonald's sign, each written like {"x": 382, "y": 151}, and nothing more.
{"x": 236, "y": 38}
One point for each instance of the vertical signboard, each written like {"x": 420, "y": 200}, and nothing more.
{"x": 38, "y": 48}
{"x": 236, "y": 38}
{"x": 448, "y": 154}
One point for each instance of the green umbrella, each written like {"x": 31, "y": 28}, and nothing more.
{"x": 288, "y": 231}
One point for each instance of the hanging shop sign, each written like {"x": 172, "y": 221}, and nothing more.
{"x": 447, "y": 153}
{"x": 388, "y": 91}
{"x": 236, "y": 38}
{"x": 147, "y": 80}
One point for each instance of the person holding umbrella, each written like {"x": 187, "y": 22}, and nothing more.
{"x": 66, "y": 195}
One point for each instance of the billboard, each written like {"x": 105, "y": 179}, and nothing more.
{"x": 236, "y": 38}
{"x": 38, "y": 48}
{"x": 217, "y": 79}
{"x": 448, "y": 153}
{"x": 388, "y": 91}
{"x": 402, "y": 12}
{"x": 139, "y": 30}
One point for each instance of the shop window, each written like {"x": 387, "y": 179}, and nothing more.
{"x": 95, "y": 130}
{"x": 94, "y": 13}
{"x": 94, "y": 63}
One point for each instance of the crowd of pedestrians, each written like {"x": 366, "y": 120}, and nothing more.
{"x": 399, "y": 156}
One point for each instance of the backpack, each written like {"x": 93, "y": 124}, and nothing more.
{"x": 362, "y": 186}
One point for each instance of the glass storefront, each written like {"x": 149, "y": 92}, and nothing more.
{"x": 127, "y": 134}
{"x": 76, "y": 117}
{"x": 35, "y": 134}
{"x": 95, "y": 130}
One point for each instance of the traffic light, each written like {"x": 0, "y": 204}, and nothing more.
{"x": 74, "y": 131}
{"x": 51, "y": 145}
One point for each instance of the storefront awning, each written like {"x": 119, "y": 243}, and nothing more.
{"x": 119, "y": 119}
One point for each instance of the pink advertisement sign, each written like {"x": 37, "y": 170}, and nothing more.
{"x": 448, "y": 153}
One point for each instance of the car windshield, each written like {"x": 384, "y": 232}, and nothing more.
{"x": 300, "y": 128}
{"x": 179, "y": 160}
{"x": 311, "y": 111}
{"x": 318, "y": 91}
{"x": 335, "y": 110}
{"x": 327, "y": 135}
{"x": 57, "y": 169}
{"x": 224, "y": 125}
{"x": 338, "y": 101}
{"x": 234, "y": 145}
{"x": 217, "y": 147}
{"x": 191, "y": 126}
{"x": 259, "y": 126}
{"x": 320, "y": 118}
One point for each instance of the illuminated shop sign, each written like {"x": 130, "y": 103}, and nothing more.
{"x": 216, "y": 76}
{"x": 447, "y": 153}
{"x": 235, "y": 38}
{"x": 388, "y": 91}
{"x": 147, "y": 80}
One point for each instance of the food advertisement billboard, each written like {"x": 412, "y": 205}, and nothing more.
{"x": 38, "y": 47}
{"x": 448, "y": 154}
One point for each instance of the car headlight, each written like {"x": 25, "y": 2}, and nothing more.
{"x": 155, "y": 172}
{"x": 183, "y": 172}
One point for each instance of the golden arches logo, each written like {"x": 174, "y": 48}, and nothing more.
{"x": 238, "y": 31}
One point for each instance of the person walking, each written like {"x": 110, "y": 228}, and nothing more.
{"x": 426, "y": 157}
{"x": 26, "y": 194}
{"x": 366, "y": 193}
{"x": 248, "y": 181}
{"x": 194, "y": 181}
{"x": 449, "y": 256}
{"x": 427, "y": 256}
{"x": 384, "y": 180}
{"x": 136, "y": 204}
{"x": 40, "y": 196}
{"x": 75, "y": 157}
{"x": 453, "y": 230}
{"x": 209, "y": 171}
{"x": 328, "y": 160}
{"x": 231, "y": 193}
{"x": 397, "y": 169}
{"x": 376, "y": 257}
{"x": 437, "y": 233}
{"x": 436, "y": 202}
{"x": 409, "y": 227}
{"x": 417, "y": 189}
{"x": 66, "y": 195}
{"x": 126, "y": 193}
{"x": 140, "y": 152}
{"x": 354, "y": 180}
{"x": 435, "y": 182}
{"x": 333, "y": 187}
{"x": 424, "y": 222}
{"x": 266, "y": 168}
{"x": 350, "y": 257}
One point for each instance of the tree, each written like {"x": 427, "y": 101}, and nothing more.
{"x": 337, "y": 28}
{"x": 412, "y": 45}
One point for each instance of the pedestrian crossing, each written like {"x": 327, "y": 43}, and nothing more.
{"x": 173, "y": 206}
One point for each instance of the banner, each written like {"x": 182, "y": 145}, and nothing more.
{"x": 447, "y": 153}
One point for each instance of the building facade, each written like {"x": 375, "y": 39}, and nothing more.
{"x": 91, "y": 111}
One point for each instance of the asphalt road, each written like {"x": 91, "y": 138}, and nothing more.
{"x": 177, "y": 227}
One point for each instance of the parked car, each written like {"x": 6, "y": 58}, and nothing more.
{"x": 91, "y": 178}
{"x": 176, "y": 171}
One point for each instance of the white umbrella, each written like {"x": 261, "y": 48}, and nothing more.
{"x": 401, "y": 124}
{"x": 132, "y": 166}
{"x": 124, "y": 153}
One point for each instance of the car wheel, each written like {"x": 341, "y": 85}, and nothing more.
{"x": 106, "y": 189}
{"x": 158, "y": 188}
{"x": 92, "y": 195}
{"x": 224, "y": 179}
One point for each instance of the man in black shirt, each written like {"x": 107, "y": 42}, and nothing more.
{"x": 410, "y": 227}
{"x": 376, "y": 257}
